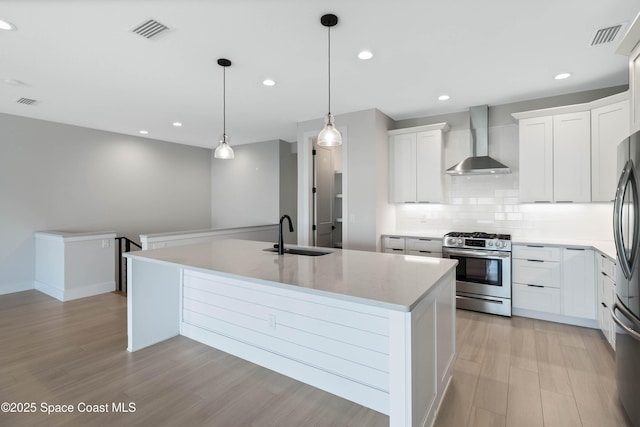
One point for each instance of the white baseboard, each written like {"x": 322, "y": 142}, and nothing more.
{"x": 550, "y": 317}
{"x": 10, "y": 288}
{"x": 75, "y": 293}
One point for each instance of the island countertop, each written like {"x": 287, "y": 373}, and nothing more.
{"x": 396, "y": 282}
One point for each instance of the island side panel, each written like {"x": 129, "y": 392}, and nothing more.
{"x": 418, "y": 339}
{"x": 153, "y": 303}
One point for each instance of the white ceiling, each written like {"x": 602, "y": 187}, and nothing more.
{"x": 83, "y": 64}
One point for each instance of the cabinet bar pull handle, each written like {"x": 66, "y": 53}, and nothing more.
{"x": 535, "y": 260}
{"x": 575, "y": 249}
{"x": 535, "y": 246}
{"x": 425, "y": 252}
{"x": 604, "y": 305}
{"x": 536, "y": 286}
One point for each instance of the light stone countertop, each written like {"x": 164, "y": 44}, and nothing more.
{"x": 396, "y": 282}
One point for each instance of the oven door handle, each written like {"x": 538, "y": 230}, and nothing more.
{"x": 479, "y": 254}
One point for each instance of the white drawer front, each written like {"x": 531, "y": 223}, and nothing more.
{"x": 393, "y": 242}
{"x": 530, "y": 272}
{"x": 394, "y": 251}
{"x": 432, "y": 254}
{"x": 607, "y": 266}
{"x": 541, "y": 253}
{"x": 535, "y": 298}
{"x": 424, "y": 244}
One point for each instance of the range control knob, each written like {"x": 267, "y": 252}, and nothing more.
{"x": 499, "y": 244}
{"x": 459, "y": 241}
{"x": 491, "y": 243}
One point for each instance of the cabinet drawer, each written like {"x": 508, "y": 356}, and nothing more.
{"x": 607, "y": 266}
{"x": 393, "y": 242}
{"x": 532, "y": 272}
{"x": 536, "y": 298}
{"x": 393, "y": 251}
{"x": 540, "y": 253}
{"x": 433, "y": 254}
{"x": 423, "y": 244}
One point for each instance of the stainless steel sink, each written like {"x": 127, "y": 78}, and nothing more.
{"x": 294, "y": 250}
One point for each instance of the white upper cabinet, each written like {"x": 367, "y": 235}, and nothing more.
{"x": 630, "y": 46}
{"x": 536, "y": 159}
{"x": 609, "y": 126}
{"x": 572, "y": 157}
{"x": 568, "y": 154}
{"x": 416, "y": 171}
{"x": 402, "y": 151}
{"x": 555, "y": 158}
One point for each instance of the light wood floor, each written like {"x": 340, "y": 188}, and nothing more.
{"x": 509, "y": 372}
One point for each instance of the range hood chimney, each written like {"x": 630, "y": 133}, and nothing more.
{"x": 479, "y": 163}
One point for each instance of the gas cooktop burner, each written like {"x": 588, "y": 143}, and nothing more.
{"x": 479, "y": 235}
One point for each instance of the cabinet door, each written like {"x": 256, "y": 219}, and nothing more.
{"x": 429, "y": 172}
{"x": 572, "y": 157}
{"x": 578, "y": 283}
{"x": 536, "y": 159}
{"x": 403, "y": 167}
{"x": 634, "y": 88}
{"x": 609, "y": 126}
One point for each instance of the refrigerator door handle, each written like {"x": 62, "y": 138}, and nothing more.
{"x": 619, "y": 322}
{"x": 627, "y": 178}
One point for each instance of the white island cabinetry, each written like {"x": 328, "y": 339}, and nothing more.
{"x": 375, "y": 329}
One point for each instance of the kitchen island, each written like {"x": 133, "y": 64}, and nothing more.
{"x": 376, "y": 329}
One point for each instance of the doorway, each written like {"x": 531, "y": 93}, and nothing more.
{"x": 327, "y": 196}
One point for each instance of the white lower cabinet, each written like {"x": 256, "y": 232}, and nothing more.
{"x": 417, "y": 246}
{"x": 556, "y": 283}
{"x": 578, "y": 283}
{"x": 536, "y": 278}
{"x": 606, "y": 293}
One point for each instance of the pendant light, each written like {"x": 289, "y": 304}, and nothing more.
{"x": 329, "y": 136}
{"x": 224, "y": 150}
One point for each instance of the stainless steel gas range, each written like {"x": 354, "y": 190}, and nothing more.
{"x": 483, "y": 274}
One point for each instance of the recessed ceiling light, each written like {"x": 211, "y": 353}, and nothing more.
{"x": 269, "y": 82}
{"x": 177, "y": 124}
{"x": 4, "y": 25}
{"x": 562, "y": 76}
{"x": 443, "y": 97}
{"x": 144, "y": 132}
{"x": 365, "y": 54}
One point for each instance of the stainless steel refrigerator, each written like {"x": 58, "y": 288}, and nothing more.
{"x": 626, "y": 308}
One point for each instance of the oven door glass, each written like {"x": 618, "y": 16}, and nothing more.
{"x": 478, "y": 270}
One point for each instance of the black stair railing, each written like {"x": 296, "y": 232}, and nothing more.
{"x": 124, "y": 245}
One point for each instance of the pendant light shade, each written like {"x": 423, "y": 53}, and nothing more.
{"x": 329, "y": 136}
{"x": 224, "y": 150}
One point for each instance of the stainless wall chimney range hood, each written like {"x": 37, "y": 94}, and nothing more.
{"x": 479, "y": 163}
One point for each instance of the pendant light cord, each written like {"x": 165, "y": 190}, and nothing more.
{"x": 224, "y": 101}
{"x": 329, "y": 67}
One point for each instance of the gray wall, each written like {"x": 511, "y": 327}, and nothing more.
{"x": 60, "y": 177}
{"x": 251, "y": 189}
{"x": 289, "y": 187}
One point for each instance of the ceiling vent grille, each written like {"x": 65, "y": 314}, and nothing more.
{"x": 150, "y": 28}
{"x": 27, "y": 101}
{"x": 606, "y": 35}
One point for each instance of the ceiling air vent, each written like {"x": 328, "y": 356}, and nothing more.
{"x": 26, "y": 101}
{"x": 606, "y": 35}
{"x": 150, "y": 28}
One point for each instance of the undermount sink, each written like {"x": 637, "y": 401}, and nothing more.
{"x": 293, "y": 250}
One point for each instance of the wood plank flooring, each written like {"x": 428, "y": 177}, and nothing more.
{"x": 509, "y": 372}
